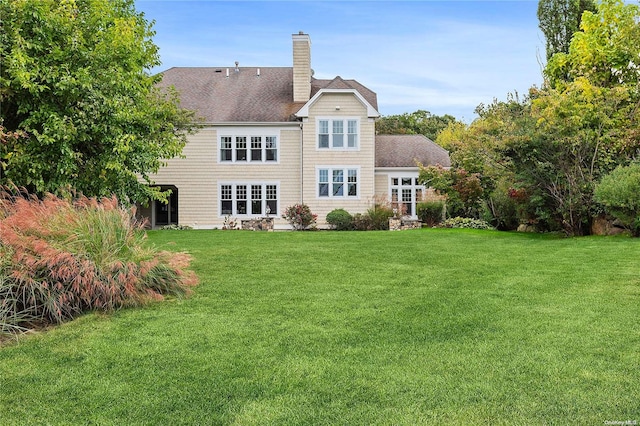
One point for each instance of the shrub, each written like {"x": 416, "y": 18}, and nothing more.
{"x": 379, "y": 216}
{"x": 430, "y": 212}
{"x": 361, "y": 222}
{"x": 619, "y": 192}
{"x": 61, "y": 258}
{"x": 340, "y": 219}
{"x": 466, "y": 222}
{"x": 299, "y": 216}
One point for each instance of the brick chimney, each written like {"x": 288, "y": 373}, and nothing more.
{"x": 301, "y": 67}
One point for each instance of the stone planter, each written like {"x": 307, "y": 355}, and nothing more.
{"x": 400, "y": 224}
{"x": 261, "y": 224}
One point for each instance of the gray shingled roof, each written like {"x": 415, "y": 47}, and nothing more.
{"x": 406, "y": 150}
{"x": 244, "y": 96}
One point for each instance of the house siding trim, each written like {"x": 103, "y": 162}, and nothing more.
{"x": 304, "y": 111}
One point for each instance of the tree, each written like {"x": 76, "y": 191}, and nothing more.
{"x": 605, "y": 51}
{"x": 559, "y": 20}
{"x": 74, "y": 79}
{"x": 420, "y": 122}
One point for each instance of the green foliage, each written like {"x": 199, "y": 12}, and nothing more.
{"x": 463, "y": 189}
{"x": 619, "y": 192}
{"x": 605, "y": 51}
{"x": 74, "y": 80}
{"x": 299, "y": 217}
{"x": 466, "y": 222}
{"x": 340, "y": 219}
{"x": 379, "y": 215}
{"x": 61, "y": 258}
{"x": 430, "y": 212}
{"x": 559, "y": 20}
{"x": 420, "y": 122}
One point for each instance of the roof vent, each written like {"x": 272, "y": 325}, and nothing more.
{"x": 258, "y": 72}
{"x": 237, "y": 69}
{"x": 218, "y": 70}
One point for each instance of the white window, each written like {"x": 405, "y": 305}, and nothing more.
{"x": 248, "y": 149}
{"x": 339, "y": 134}
{"x": 248, "y": 199}
{"x": 338, "y": 182}
{"x": 406, "y": 192}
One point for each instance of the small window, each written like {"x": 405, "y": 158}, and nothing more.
{"x": 226, "y": 149}
{"x": 323, "y": 183}
{"x": 352, "y": 133}
{"x": 338, "y": 134}
{"x": 256, "y": 199}
{"x": 271, "y": 148}
{"x": 256, "y": 148}
{"x": 226, "y": 200}
{"x": 323, "y": 134}
{"x": 241, "y": 148}
{"x": 272, "y": 199}
{"x": 241, "y": 199}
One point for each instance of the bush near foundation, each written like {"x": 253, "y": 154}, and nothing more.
{"x": 60, "y": 258}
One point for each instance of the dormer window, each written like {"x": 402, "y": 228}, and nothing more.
{"x": 338, "y": 133}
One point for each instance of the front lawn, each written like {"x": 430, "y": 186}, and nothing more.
{"x": 404, "y": 328}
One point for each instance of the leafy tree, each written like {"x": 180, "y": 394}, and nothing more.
{"x": 619, "y": 192}
{"x": 559, "y": 20}
{"x": 420, "y": 122}
{"x": 74, "y": 79}
{"x": 463, "y": 189}
{"x": 605, "y": 51}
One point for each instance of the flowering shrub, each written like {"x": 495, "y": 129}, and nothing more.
{"x": 299, "y": 216}
{"x": 466, "y": 222}
{"x": 60, "y": 258}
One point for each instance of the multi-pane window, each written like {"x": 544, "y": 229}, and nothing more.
{"x": 226, "y": 148}
{"x": 226, "y": 199}
{"x": 257, "y": 149}
{"x": 406, "y": 192}
{"x": 245, "y": 199}
{"x": 241, "y": 199}
{"x": 338, "y": 182}
{"x": 337, "y": 134}
{"x": 271, "y": 149}
{"x": 272, "y": 199}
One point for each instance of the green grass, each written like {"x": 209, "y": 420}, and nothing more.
{"x": 414, "y": 327}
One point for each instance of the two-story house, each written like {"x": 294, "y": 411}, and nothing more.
{"x": 276, "y": 136}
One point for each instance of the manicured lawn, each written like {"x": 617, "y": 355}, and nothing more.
{"x": 403, "y": 328}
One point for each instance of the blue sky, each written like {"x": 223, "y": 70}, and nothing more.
{"x": 445, "y": 57}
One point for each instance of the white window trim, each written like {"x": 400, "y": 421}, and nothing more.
{"x": 413, "y": 187}
{"x": 234, "y": 200}
{"x": 345, "y": 174}
{"x": 345, "y": 128}
{"x": 248, "y": 135}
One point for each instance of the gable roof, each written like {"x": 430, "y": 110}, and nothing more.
{"x": 407, "y": 150}
{"x": 250, "y": 94}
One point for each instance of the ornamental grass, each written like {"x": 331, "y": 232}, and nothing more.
{"x": 61, "y": 257}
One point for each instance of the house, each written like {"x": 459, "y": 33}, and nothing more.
{"x": 276, "y": 136}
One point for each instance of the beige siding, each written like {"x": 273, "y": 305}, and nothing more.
{"x": 336, "y": 105}
{"x": 198, "y": 175}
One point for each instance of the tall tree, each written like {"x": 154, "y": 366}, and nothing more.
{"x": 75, "y": 83}
{"x": 559, "y": 20}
